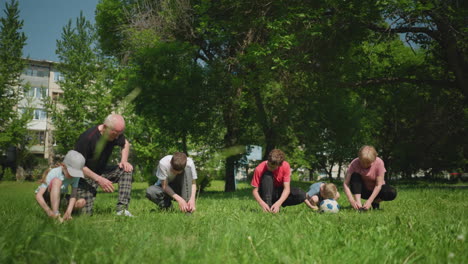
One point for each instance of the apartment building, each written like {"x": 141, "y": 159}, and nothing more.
{"x": 39, "y": 81}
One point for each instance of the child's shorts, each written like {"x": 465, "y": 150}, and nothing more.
{"x": 64, "y": 199}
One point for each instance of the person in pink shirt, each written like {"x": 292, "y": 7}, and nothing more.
{"x": 271, "y": 182}
{"x": 365, "y": 180}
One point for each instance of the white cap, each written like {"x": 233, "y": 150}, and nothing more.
{"x": 75, "y": 163}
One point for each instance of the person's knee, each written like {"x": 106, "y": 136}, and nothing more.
{"x": 80, "y": 203}
{"x": 390, "y": 194}
{"x": 56, "y": 183}
{"x": 355, "y": 177}
{"x": 153, "y": 193}
{"x": 315, "y": 199}
{"x": 267, "y": 178}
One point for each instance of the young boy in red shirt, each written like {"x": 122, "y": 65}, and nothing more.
{"x": 271, "y": 182}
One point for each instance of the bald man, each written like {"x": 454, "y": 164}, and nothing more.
{"x": 96, "y": 145}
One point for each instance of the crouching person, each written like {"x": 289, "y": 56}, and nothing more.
{"x": 176, "y": 181}
{"x": 272, "y": 184}
{"x": 52, "y": 193}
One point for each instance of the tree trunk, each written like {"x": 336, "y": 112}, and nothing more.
{"x": 339, "y": 170}
{"x": 329, "y": 172}
{"x": 311, "y": 175}
{"x": 454, "y": 56}
{"x": 230, "y": 185}
{"x": 20, "y": 174}
{"x": 184, "y": 143}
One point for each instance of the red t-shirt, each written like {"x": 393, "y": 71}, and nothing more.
{"x": 369, "y": 175}
{"x": 281, "y": 174}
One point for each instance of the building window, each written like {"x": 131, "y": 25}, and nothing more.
{"x": 39, "y": 114}
{"x": 37, "y": 137}
{"x": 56, "y": 96}
{"x": 36, "y": 70}
{"x": 58, "y": 76}
{"x": 36, "y": 92}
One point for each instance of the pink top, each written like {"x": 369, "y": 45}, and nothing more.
{"x": 281, "y": 174}
{"x": 369, "y": 175}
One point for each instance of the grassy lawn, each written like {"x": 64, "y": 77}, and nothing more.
{"x": 424, "y": 225}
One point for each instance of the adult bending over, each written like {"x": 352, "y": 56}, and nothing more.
{"x": 96, "y": 145}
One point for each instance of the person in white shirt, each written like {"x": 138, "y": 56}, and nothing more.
{"x": 176, "y": 181}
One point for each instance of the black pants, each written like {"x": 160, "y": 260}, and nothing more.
{"x": 270, "y": 194}
{"x": 387, "y": 193}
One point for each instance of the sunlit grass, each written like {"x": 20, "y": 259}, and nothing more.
{"x": 424, "y": 225}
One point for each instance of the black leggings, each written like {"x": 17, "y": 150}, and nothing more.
{"x": 387, "y": 193}
{"x": 270, "y": 194}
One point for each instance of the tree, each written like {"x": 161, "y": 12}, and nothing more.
{"x": 86, "y": 99}
{"x": 13, "y": 124}
{"x": 12, "y": 41}
{"x": 301, "y": 75}
{"x": 435, "y": 25}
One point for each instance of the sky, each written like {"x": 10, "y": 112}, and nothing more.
{"x": 44, "y": 21}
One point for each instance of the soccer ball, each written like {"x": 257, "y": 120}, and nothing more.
{"x": 329, "y": 206}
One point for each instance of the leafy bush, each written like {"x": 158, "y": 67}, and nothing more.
{"x": 204, "y": 180}
{"x": 8, "y": 175}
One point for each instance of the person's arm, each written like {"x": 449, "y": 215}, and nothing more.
{"x": 348, "y": 193}
{"x": 375, "y": 192}
{"x": 105, "y": 184}
{"x": 259, "y": 200}
{"x": 124, "y": 164}
{"x": 71, "y": 204}
{"x": 284, "y": 195}
{"x": 68, "y": 212}
{"x": 40, "y": 200}
{"x": 168, "y": 190}
{"x": 191, "y": 203}
{"x": 311, "y": 205}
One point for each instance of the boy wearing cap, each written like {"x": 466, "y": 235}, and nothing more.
{"x": 55, "y": 182}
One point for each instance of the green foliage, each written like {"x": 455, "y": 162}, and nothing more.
{"x": 173, "y": 95}
{"x": 231, "y": 228}
{"x": 87, "y": 84}
{"x": 316, "y": 79}
{"x": 110, "y": 15}
{"x": 8, "y": 175}
{"x": 12, "y": 41}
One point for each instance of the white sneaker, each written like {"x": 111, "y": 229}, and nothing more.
{"x": 125, "y": 213}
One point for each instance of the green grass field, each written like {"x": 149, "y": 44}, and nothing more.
{"x": 424, "y": 225}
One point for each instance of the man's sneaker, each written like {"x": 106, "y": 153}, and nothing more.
{"x": 376, "y": 206}
{"x": 124, "y": 213}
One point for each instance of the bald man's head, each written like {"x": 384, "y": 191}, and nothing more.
{"x": 114, "y": 125}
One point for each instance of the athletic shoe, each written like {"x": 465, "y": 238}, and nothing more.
{"x": 124, "y": 213}
{"x": 376, "y": 206}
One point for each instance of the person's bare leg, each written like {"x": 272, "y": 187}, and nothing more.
{"x": 55, "y": 195}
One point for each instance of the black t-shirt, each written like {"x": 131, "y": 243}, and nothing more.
{"x": 88, "y": 143}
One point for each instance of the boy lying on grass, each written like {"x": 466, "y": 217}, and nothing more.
{"x": 320, "y": 191}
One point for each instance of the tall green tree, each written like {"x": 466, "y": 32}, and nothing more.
{"x": 12, "y": 41}
{"x": 87, "y": 97}
{"x": 317, "y": 79}
{"x": 437, "y": 26}
{"x": 13, "y": 124}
